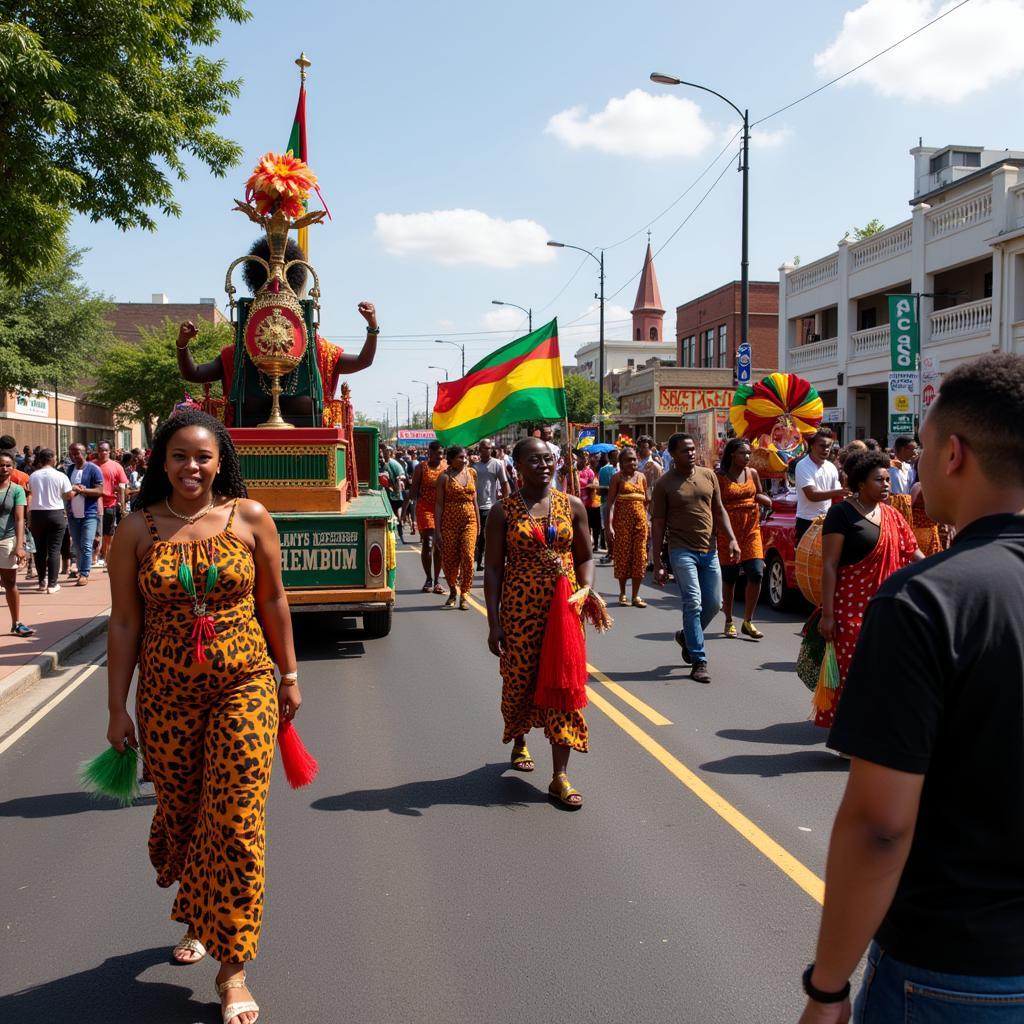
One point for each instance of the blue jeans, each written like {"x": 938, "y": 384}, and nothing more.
{"x": 895, "y": 992}
{"x": 700, "y": 586}
{"x": 83, "y": 533}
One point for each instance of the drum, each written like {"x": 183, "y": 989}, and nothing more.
{"x": 808, "y": 562}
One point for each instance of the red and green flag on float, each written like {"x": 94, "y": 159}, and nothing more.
{"x": 297, "y": 148}
{"x": 521, "y": 381}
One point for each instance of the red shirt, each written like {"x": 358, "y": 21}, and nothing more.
{"x": 113, "y": 475}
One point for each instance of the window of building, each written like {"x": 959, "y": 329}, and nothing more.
{"x": 868, "y": 319}
{"x": 939, "y": 162}
{"x": 709, "y": 347}
{"x": 688, "y": 351}
{"x": 961, "y": 158}
{"x": 654, "y": 334}
{"x": 630, "y": 363}
{"x": 638, "y": 334}
{"x": 987, "y": 286}
{"x": 723, "y": 345}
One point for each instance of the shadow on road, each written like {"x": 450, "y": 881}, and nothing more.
{"x": 804, "y": 733}
{"x": 111, "y": 991}
{"x": 56, "y": 805}
{"x": 777, "y": 666}
{"x": 483, "y": 787}
{"x": 771, "y": 766}
{"x": 662, "y": 674}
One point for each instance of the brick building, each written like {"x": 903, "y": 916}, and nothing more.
{"x": 708, "y": 327}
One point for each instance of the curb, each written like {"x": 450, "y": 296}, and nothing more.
{"x": 49, "y": 661}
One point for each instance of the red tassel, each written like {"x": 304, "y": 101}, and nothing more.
{"x": 562, "y": 672}
{"x": 300, "y": 766}
{"x": 203, "y": 631}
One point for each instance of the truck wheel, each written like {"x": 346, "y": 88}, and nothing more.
{"x": 376, "y": 624}
{"x": 780, "y": 596}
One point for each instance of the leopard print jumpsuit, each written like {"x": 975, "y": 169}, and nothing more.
{"x": 526, "y": 590}
{"x": 458, "y": 531}
{"x": 207, "y": 732}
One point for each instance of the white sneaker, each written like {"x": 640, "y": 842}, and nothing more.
{"x": 53, "y": 589}
{"x": 100, "y": 562}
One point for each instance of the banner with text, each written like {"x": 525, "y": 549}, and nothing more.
{"x": 904, "y": 334}
{"x": 902, "y": 387}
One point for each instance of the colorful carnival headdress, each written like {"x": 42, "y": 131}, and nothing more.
{"x": 775, "y": 415}
{"x": 280, "y": 182}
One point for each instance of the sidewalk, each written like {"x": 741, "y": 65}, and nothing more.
{"x": 63, "y": 622}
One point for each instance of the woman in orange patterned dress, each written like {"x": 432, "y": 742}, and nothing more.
{"x": 741, "y": 494}
{"x": 458, "y": 522}
{"x": 519, "y": 579}
{"x": 195, "y": 581}
{"x": 926, "y": 530}
{"x": 627, "y": 525}
{"x": 423, "y": 491}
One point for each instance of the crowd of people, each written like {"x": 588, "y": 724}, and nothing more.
{"x": 58, "y": 516}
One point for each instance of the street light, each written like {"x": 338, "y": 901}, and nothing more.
{"x": 441, "y": 368}
{"x": 528, "y": 312}
{"x": 600, "y": 340}
{"x": 386, "y": 405}
{"x": 744, "y": 260}
{"x": 460, "y": 347}
{"x": 426, "y": 403}
{"x": 408, "y": 407}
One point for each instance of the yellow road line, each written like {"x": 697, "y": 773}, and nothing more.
{"x": 757, "y": 837}
{"x": 654, "y": 717}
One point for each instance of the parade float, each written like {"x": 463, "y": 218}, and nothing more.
{"x": 308, "y": 465}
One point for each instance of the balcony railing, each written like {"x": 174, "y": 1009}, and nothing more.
{"x": 972, "y": 318}
{"x": 820, "y": 272}
{"x": 817, "y": 353}
{"x": 872, "y": 342}
{"x": 882, "y": 246}
{"x": 973, "y": 209}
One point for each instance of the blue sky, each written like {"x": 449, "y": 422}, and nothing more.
{"x": 540, "y": 120}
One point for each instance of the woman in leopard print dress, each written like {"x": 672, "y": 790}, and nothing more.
{"x": 518, "y": 584}
{"x": 189, "y": 573}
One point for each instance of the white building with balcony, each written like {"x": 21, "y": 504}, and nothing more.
{"x": 961, "y": 250}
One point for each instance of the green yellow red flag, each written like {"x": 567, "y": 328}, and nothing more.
{"x": 521, "y": 381}
{"x": 297, "y": 148}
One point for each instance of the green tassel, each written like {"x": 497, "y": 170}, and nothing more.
{"x": 112, "y": 774}
{"x": 830, "y": 667}
{"x": 211, "y": 577}
{"x": 185, "y": 578}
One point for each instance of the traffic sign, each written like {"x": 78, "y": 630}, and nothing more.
{"x": 743, "y": 368}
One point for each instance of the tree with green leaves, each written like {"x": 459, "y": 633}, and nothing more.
{"x": 140, "y": 380}
{"x": 581, "y": 397}
{"x": 51, "y": 329}
{"x": 873, "y": 227}
{"x": 98, "y": 102}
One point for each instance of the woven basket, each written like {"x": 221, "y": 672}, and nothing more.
{"x": 808, "y": 562}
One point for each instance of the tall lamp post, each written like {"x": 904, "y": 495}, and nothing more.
{"x": 408, "y": 407}
{"x": 441, "y": 368}
{"x": 528, "y": 312}
{"x": 426, "y": 403}
{"x": 600, "y": 341}
{"x": 459, "y": 346}
{"x": 387, "y": 426}
{"x": 745, "y": 168}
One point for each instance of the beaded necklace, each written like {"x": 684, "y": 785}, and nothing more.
{"x": 203, "y": 628}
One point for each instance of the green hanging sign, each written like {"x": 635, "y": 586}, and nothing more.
{"x": 904, "y": 334}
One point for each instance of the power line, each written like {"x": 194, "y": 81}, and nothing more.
{"x": 846, "y": 74}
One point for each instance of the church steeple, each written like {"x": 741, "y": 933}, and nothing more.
{"x": 648, "y": 313}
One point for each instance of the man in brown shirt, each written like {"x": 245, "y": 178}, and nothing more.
{"x": 686, "y": 507}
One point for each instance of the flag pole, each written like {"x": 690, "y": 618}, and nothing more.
{"x": 574, "y": 482}
{"x": 303, "y": 62}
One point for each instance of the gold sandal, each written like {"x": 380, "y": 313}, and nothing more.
{"x": 749, "y": 629}
{"x": 639, "y": 602}
{"x": 188, "y": 944}
{"x": 521, "y": 758}
{"x": 235, "y": 1009}
{"x": 563, "y": 792}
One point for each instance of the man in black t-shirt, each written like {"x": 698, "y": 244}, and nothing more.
{"x": 927, "y": 851}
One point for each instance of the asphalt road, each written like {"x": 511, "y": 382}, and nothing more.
{"x": 418, "y": 879}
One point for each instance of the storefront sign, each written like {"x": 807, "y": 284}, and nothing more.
{"x": 635, "y": 405}
{"x": 417, "y": 435}
{"x": 837, "y": 414}
{"x": 901, "y": 402}
{"x": 931, "y": 378}
{"x": 32, "y": 405}
{"x": 681, "y": 401}
{"x": 904, "y": 336}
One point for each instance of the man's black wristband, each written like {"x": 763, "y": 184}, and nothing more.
{"x": 823, "y": 997}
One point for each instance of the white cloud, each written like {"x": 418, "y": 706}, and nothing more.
{"x": 503, "y": 318}
{"x": 760, "y": 138}
{"x": 639, "y": 124}
{"x": 587, "y": 327}
{"x": 446, "y": 325}
{"x": 965, "y": 53}
{"x": 451, "y": 237}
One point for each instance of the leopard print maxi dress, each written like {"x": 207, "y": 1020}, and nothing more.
{"x": 458, "y": 531}
{"x": 207, "y": 731}
{"x": 526, "y": 590}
